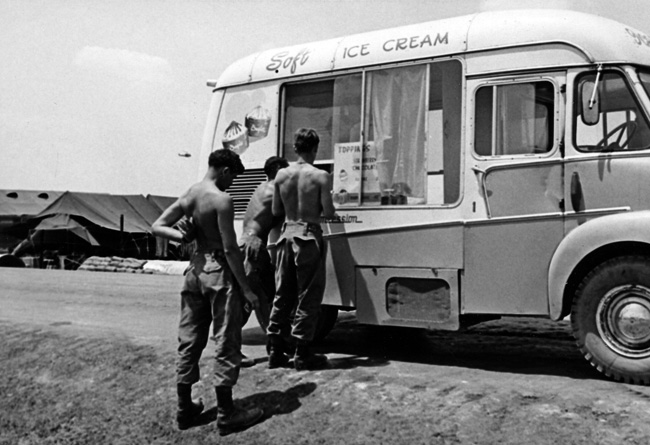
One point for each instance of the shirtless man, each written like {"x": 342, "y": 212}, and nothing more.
{"x": 215, "y": 284}
{"x": 302, "y": 194}
{"x": 258, "y": 223}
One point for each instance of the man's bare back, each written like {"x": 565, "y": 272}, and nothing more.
{"x": 203, "y": 203}
{"x": 212, "y": 213}
{"x": 302, "y": 194}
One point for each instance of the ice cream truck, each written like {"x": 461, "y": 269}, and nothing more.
{"x": 489, "y": 165}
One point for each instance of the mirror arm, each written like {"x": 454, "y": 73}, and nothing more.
{"x": 592, "y": 100}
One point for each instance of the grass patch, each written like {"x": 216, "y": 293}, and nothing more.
{"x": 61, "y": 388}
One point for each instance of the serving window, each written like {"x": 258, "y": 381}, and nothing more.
{"x": 331, "y": 107}
{"x": 404, "y": 150}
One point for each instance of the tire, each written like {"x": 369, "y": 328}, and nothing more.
{"x": 610, "y": 318}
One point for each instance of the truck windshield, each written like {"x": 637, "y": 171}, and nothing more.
{"x": 644, "y": 77}
{"x": 621, "y": 124}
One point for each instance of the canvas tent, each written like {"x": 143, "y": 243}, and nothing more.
{"x": 49, "y": 227}
{"x": 103, "y": 223}
{"x": 112, "y": 212}
{"x": 54, "y": 233}
{"x": 17, "y": 206}
{"x": 162, "y": 202}
{"x": 162, "y": 245}
{"x": 120, "y": 224}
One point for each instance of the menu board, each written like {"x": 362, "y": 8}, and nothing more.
{"x": 355, "y": 171}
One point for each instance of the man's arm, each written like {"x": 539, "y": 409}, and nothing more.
{"x": 326, "y": 196}
{"x": 277, "y": 207}
{"x": 163, "y": 226}
{"x": 225, "y": 217}
{"x": 275, "y": 220}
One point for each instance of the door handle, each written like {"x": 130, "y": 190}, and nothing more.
{"x": 577, "y": 201}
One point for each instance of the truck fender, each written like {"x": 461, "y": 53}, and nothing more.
{"x": 609, "y": 230}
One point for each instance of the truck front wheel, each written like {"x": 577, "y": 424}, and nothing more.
{"x": 610, "y": 318}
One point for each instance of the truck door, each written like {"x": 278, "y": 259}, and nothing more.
{"x": 607, "y": 158}
{"x": 517, "y": 160}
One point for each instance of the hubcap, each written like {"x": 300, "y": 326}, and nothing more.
{"x": 623, "y": 318}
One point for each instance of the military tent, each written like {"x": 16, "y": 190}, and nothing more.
{"x": 16, "y": 206}
{"x": 119, "y": 224}
{"x": 113, "y": 212}
{"x": 162, "y": 202}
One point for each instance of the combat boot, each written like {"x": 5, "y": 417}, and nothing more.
{"x": 188, "y": 411}
{"x": 278, "y": 357}
{"x": 230, "y": 418}
{"x": 306, "y": 360}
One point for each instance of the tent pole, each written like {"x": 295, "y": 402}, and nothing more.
{"x": 122, "y": 234}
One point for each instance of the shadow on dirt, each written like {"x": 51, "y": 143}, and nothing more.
{"x": 273, "y": 403}
{"x": 512, "y": 344}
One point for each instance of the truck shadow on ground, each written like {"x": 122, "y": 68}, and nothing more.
{"x": 512, "y": 344}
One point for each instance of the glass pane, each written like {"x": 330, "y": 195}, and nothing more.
{"x": 332, "y": 107}
{"x": 483, "y": 120}
{"x": 644, "y": 76}
{"x": 347, "y": 109}
{"x": 523, "y": 121}
{"x": 621, "y": 124}
{"x": 247, "y": 122}
{"x": 309, "y": 105}
{"x": 346, "y": 134}
{"x": 394, "y": 158}
{"x": 443, "y": 149}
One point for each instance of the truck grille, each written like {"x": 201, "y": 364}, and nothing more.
{"x": 243, "y": 187}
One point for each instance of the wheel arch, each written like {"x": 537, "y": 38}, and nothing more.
{"x": 589, "y": 245}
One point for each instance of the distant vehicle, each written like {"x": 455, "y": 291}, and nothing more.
{"x": 486, "y": 165}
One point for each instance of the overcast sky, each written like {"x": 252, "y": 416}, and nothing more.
{"x": 101, "y": 96}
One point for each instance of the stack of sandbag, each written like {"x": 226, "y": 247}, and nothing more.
{"x": 114, "y": 264}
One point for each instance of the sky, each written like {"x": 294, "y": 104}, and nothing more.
{"x": 102, "y": 96}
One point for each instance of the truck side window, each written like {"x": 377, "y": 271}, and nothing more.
{"x": 514, "y": 119}
{"x": 620, "y": 125}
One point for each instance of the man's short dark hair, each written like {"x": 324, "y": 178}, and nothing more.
{"x": 226, "y": 158}
{"x": 306, "y": 140}
{"x": 273, "y": 164}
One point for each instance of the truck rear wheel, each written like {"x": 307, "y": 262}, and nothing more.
{"x": 610, "y": 318}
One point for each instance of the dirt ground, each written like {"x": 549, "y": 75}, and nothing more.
{"x": 88, "y": 358}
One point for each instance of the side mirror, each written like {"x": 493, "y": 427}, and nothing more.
{"x": 590, "y": 103}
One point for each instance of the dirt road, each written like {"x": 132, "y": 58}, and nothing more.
{"x": 512, "y": 381}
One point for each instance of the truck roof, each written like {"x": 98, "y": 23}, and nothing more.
{"x": 540, "y": 38}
